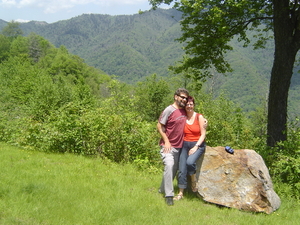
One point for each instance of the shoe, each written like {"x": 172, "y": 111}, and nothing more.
{"x": 178, "y": 197}
{"x": 229, "y": 149}
{"x": 169, "y": 200}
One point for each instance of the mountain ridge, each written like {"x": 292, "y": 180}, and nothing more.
{"x": 131, "y": 47}
{"x": 97, "y": 37}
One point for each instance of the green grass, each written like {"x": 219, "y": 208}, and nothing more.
{"x": 40, "y": 188}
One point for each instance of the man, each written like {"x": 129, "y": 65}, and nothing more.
{"x": 170, "y": 126}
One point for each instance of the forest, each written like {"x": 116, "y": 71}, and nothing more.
{"x": 52, "y": 101}
{"x": 132, "y": 47}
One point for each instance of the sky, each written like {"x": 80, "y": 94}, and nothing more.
{"x": 52, "y": 11}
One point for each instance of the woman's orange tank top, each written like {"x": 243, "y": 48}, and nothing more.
{"x": 192, "y": 132}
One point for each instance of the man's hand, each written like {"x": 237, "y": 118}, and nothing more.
{"x": 167, "y": 148}
{"x": 205, "y": 123}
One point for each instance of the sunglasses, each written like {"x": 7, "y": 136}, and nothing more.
{"x": 183, "y": 97}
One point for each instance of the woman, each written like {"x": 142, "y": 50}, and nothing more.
{"x": 193, "y": 147}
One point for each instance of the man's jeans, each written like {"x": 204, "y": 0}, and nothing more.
{"x": 187, "y": 163}
{"x": 170, "y": 161}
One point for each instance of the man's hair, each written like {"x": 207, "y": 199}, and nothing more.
{"x": 181, "y": 90}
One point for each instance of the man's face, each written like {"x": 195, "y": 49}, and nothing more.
{"x": 181, "y": 100}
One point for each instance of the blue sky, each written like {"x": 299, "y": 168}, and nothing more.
{"x": 54, "y": 10}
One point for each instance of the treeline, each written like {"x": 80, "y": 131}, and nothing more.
{"x": 132, "y": 47}
{"x": 51, "y": 101}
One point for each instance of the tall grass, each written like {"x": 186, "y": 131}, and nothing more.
{"x": 41, "y": 188}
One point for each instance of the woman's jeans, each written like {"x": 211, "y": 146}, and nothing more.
{"x": 187, "y": 163}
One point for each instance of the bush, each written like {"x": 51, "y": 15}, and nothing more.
{"x": 285, "y": 164}
{"x": 227, "y": 123}
{"x": 121, "y": 138}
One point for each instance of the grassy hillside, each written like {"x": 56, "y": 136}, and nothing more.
{"x": 39, "y": 188}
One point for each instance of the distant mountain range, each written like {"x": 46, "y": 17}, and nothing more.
{"x": 132, "y": 47}
{"x": 128, "y": 46}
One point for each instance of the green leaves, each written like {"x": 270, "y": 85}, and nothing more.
{"x": 151, "y": 97}
{"x": 208, "y": 27}
{"x": 47, "y": 104}
{"x": 12, "y": 30}
{"x": 4, "y": 47}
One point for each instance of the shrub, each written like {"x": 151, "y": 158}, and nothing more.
{"x": 121, "y": 138}
{"x": 227, "y": 123}
{"x": 285, "y": 164}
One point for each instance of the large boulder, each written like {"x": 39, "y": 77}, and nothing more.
{"x": 240, "y": 180}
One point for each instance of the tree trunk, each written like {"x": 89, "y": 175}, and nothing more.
{"x": 278, "y": 95}
{"x": 286, "y": 47}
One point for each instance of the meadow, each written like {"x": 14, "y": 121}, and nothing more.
{"x": 47, "y": 188}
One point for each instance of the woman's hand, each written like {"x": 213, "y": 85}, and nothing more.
{"x": 193, "y": 150}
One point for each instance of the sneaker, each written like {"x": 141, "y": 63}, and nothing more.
{"x": 169, "y": 200}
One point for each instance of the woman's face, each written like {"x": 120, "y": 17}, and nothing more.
{"x": 189, "y": 107}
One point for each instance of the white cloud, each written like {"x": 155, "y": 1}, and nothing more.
{"x": 54, "y": 10}
{"x": 26, "y": 2}
{"x": 8, "y": 3}
{"x": 52, "y": 6}
{"x": 22, "y": 21}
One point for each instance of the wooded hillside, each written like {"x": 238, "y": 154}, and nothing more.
{"x": 132, "y": 47}
{"x": 128, "y": 46}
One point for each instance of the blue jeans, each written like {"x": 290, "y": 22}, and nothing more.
{"x": 187, "y": 163}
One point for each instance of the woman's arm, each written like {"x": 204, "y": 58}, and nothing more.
{"x": 203, "y": 125}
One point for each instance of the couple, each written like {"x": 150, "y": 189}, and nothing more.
{"x": 182, "y": 132}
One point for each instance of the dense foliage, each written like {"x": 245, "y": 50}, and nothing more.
{"x": 133, "y": 47}
{"x": 208, "y": 26}
{"x": 51, "y": 101}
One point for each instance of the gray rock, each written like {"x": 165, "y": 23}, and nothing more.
{"x": 240, "y": 180}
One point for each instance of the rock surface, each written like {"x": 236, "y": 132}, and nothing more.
{"x": 240, "y": 180}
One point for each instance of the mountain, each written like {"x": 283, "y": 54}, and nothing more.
{"x": 2, "y": 24}
{"x": 132, "y": 47}
{"x": 128, "y": 46}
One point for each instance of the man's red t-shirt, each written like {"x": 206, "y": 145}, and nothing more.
{"x": 174, "y": 121}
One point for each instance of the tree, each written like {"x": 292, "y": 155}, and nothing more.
{"x": 151, "y": 95}
{"x": 4, "y": 47}
{"x": 209, "y": 25}
{"x": 37, "y": 46}
{"x": 12, "y": 30}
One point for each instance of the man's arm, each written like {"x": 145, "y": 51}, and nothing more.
{"x": 162, "y": 131}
